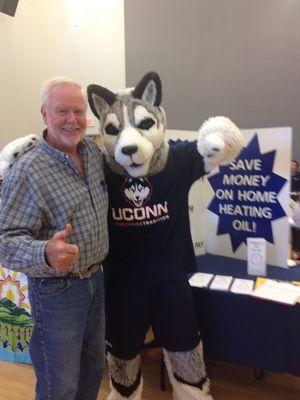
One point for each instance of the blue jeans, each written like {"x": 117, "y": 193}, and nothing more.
{"x": 67, "y": 345}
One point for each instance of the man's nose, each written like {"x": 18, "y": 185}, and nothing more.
{"x": 71, "y": 117}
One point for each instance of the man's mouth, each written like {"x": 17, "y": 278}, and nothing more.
{"x": 70, "y": 130}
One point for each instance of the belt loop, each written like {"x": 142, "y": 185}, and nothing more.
{"x": 90, "y": 271}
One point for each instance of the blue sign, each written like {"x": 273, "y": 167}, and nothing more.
{"x": 245, "y": 197}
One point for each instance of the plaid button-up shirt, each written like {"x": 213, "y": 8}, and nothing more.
{"x": 43, "y": 191}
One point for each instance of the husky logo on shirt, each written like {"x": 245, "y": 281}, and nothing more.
{"x": 137, "y": 191}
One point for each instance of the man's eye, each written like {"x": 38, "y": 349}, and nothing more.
{"x": 146, "y": 124}
{"x": 62, "y": 112}
{"x": 110, "y": 129}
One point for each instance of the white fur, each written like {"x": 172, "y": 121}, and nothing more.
{"x": 156, "y": 134}
{"x": 219, "y": 142}
{"x": 124, "y": 92}
{"x": 142, "y": 156}
{"x": 140, "y": 112}
{"x": 182, "y": 391}
{"x": 145, "y": 149}
{"x": 150, "y": 93}
{"x": 19, "y": 146}
{"x": 189, "y": 365}
{"x": 137, "y": 395}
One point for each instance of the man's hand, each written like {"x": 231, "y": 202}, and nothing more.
{"x": 59, "y": 254}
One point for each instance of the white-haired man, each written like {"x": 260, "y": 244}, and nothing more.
{"x": 53, "y": 228}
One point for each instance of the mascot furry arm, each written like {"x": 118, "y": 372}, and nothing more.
{"x": 15, "y": 149}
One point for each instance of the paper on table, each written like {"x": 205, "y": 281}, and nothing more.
{"x": 200, "y": 279}
{"x": 281, "y": 292}
{"x": 256, "y": 256}
{"x": 221, "y": 282}
{"x": 242, "y": 286}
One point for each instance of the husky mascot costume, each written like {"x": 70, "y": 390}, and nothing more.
{"x": 151, "y": 249}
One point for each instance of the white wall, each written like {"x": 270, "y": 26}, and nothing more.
{"x": 39, "y": 42}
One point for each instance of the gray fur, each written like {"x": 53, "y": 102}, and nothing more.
{"x": 130, "y": 103}
{"x": 150, "y": 93}
{"x": 100, "y": 105}
{"x": 159, "y": 159}
{"x": 124, "y": 372}
{"x": 188, "y": 365}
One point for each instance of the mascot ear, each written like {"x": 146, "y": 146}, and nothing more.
{"x": 99, "y": 99}
{"x": 149, "y": 89}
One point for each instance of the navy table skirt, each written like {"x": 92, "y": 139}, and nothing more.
{"x": 242, "y": 330}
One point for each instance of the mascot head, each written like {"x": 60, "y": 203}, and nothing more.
{"x": 132, "y": 125}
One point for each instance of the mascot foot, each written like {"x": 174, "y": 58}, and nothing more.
{"x": 187, "y": 374}
{"x": 126, "y": 381}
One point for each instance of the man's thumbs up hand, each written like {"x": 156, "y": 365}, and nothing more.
{"x": 59, "y": 254}
{"x": 65, "y": 234}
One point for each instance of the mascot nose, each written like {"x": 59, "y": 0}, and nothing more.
{"x": 128, "y": 150}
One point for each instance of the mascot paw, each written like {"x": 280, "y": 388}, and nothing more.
{"x": 219, "y": 142}
{"x": 15, "y": 149}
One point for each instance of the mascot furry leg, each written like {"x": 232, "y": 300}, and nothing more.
{"x": 126, "y": 379}
{"x": 186, "y": 371}
{"x": 187, "y": 374}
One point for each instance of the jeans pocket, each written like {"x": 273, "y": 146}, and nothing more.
{"x": 50, "y": 287}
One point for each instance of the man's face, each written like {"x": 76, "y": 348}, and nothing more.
{"x": 65, "y": 117}
{"x": 294, "y": 167}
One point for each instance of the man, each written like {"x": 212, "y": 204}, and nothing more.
{"x": 53, "y": 228}
{"x": 295, "y": 179}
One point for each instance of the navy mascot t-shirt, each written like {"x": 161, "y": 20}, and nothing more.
{"x": 149, "y": 229}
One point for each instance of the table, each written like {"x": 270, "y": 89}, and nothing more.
{"x": 246, "y": 331}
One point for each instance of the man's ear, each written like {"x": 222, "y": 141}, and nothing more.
{"x": 43, "y": 112}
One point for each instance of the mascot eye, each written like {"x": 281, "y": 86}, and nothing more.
{"x": 146, "y": 124}
{"x": 110, "y": 129}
